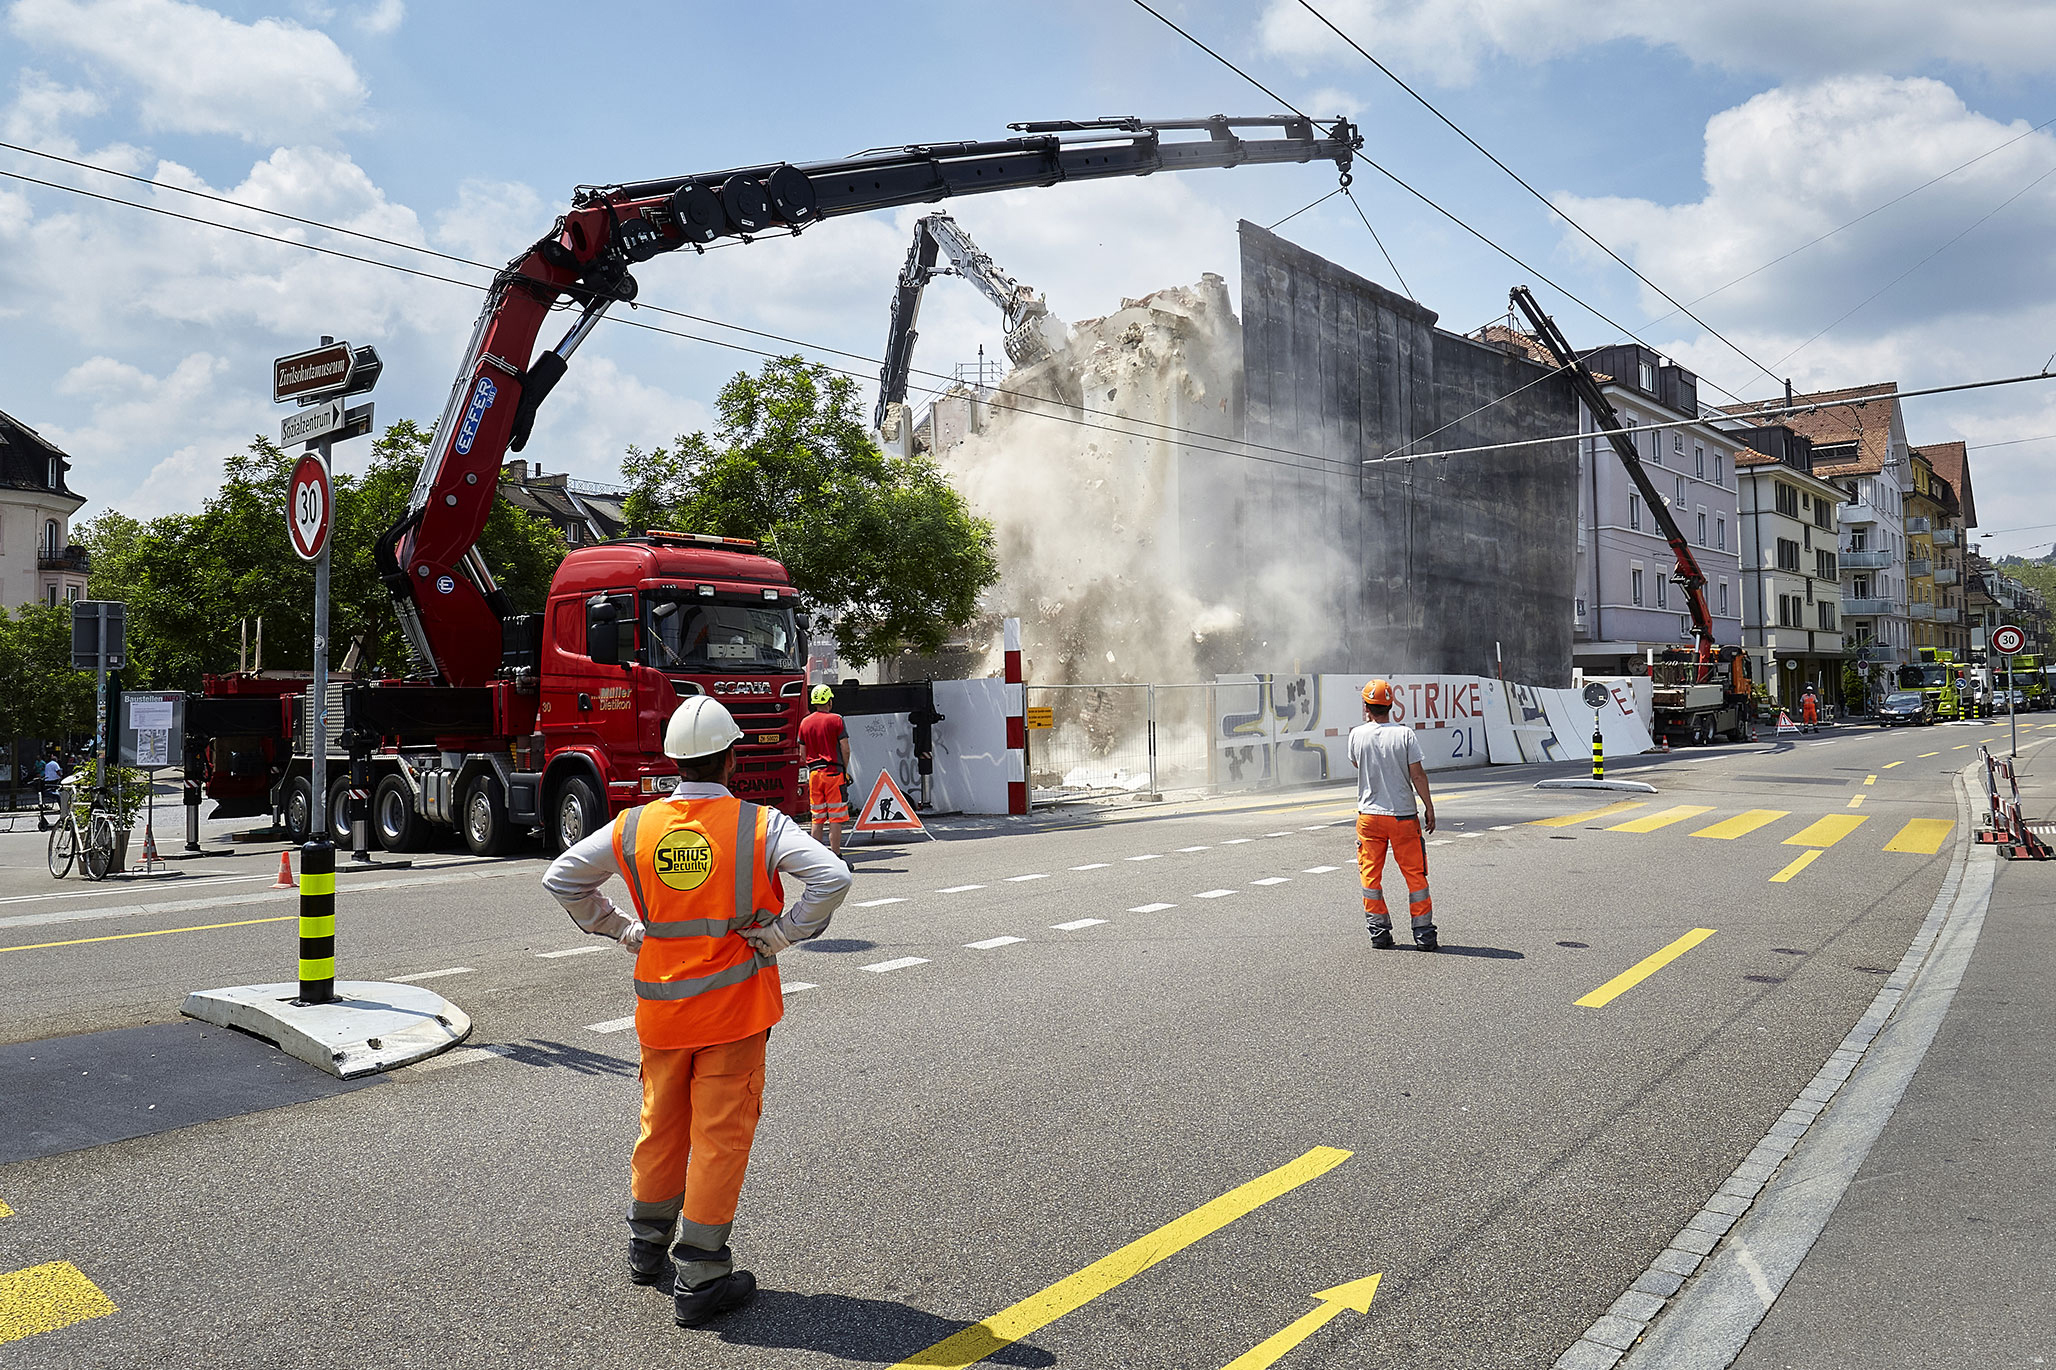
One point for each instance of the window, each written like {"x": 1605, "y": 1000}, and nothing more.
{"x": 71, "y": 594}
{"x": 1702, "y": 527}
{"x": 1720, "y": 468}
{"x": 1788, "y": 500}
{"x": 1678, "y": 445}
{"x": 1635, "y": 585}
{"x": 1680, "y": 501}
{"x": 1648, "y": 377}
{"x": 1635, "y": 515}
{"x": 50, "y": 592}
{"x": 1826, "y": 613}
{"x": 56, "y": 474}
{"x": 1859, "y": 540}
{"x": 1824, "y": 564}
{"x": 1720, "y": 533}
{"x": 1788, "y": 555}
{"x": 53, "y": 539}
{"x": 1788, "y": 611}
{"x": 1699, "y": 461}
{"x": 1822, "y": 516}
{"x": 1724, "y": 597}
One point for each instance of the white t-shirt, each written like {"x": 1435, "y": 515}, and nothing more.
{"x": 1381, "y": 753}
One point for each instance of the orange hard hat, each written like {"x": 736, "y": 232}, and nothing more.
{"x": 1378, "y": 694}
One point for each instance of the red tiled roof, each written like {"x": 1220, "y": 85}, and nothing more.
{"x": 1860, "y": 414}
{"x": 1951, "y": 461}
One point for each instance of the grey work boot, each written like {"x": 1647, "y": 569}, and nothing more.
{"x": 708, "y": 1285}
{"x": 650, "y": 1263}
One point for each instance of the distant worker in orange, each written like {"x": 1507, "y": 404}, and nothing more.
{"x": 825, "y": 749}
{"x": 1809, "y": 710}
{"x": 1389, "y": 774}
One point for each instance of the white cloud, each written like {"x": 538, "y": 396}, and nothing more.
{"x": 384, "y": 17}
{"x": 42, "y": 108}
{"x": 1452, "y": 38}
{"x": 598, "y": 411}
{"x": 194, "y": 70}
{"x": 492, "y": 221}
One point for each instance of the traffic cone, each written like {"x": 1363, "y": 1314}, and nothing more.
{"x": 285, "y": 879}
{"x": 150, "y": 856}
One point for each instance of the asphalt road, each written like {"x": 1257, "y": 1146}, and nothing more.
{"x": 955, "y": 1122}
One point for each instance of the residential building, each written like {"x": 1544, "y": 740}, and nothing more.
{"x": 581, "y": 510}
{"x": 1791, "y": 566}
{"x": 39, "y": 563}
{"x": 1934, "y": 592}
{"x": 1950, "y": 462}
{"x": 1996, "y": 598}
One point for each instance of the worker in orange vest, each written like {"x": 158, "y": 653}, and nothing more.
{"x": 703, "y": 873}
{"x": 1389, "y": 774}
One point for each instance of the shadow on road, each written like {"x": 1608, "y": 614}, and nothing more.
{"x": 838, "y": 944}
{"x": 578, "y": 1060}
{"x": 1489, "y": 953}
{"x": 873, "y": 1331}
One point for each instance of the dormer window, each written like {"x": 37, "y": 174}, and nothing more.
{"x": 1648, "y": 377}
{"x": 56, "y": 474}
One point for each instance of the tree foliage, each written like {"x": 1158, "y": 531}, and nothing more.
{"x": 191, "y": 580}
{"x": 882, "y": 548}
{"x": 41, "y": 696}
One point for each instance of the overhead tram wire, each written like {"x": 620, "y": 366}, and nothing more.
{"x": 1222, "y": 60}
{"x": 1523, "y": 183}
{"x": 1381, "y": 245}
{"x": 1273, "y": 228}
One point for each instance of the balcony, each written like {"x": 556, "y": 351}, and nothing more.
{"x": 1949, "y": 615}
{"x": 1916, "y": 524}
{"x": 1864, "y": 608}
{"x": 1946, "y": 575}
{"x": 1865, "y": 561}
{"x": 1921, "y": 609}
{"x": 1919, "y": 566}
{"x": 1945, "y": 537}
{"x": 74, "y": 559}
{"x": 1856, "y": 515}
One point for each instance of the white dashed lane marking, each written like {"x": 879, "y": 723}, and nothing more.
{"x": 897, "y": 963}
{"x": 612, "y": 1025}
{"x": 1502, "y": 827}
{"x": 1151, "y": 908}
{"x": 989, "y": 943}
{"x": 1077, "y": 923}
{"x": 960, "y": 889}
{"x": 1277, "y": 834}
{"x": 1213, "y": 894}
{"x": 1148, "y": 856}
{"x": 568, "y": 951}
{"x": 1237, "y": 841}
{"x": 1195, "y": 849}
{"x": 431, "y": 975}
{"x": 1319, "y": 870}
{"x": 1273, "y": 880}
{"x": 875, "y": 903}
{"x": 1095, "y": 866}
{"x": 1017, "y": 879}
{"x": 797, "y": 985}
{"x": 1441, "y": 842}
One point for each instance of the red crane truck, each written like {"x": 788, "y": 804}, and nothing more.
{"x": 509, "y": 722}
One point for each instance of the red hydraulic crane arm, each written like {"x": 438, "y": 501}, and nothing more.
{"x": 1687, "y": 576}
{"x": 449, "y": 607}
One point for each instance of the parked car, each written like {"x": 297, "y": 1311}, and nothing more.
{"x": 1905, "y": 706}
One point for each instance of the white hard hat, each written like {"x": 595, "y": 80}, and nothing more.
{"x": 699, "y": 727}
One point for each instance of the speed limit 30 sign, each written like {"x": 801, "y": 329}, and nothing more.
{"x": 310, "y": 507}
{"x": 2008, "y": 640}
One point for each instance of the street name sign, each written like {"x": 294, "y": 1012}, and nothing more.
{"x": 310, "y": 513}
{"x": 2008, "y": 640}
{"x": 324, "y": 370}
{"x": 319, "y": 421}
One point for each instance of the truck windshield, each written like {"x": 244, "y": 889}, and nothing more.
{"x": 716, "y": 635}
{"x": 1928, "y": 676}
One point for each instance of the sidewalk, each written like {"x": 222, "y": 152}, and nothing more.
{"x": 1943, "y": 1251}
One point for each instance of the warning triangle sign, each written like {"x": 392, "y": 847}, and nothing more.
{"x": 1785, "y": 723}
{"x": 886, "y": 810}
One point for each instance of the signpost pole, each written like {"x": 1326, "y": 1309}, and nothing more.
{"x": 100, "y": 702}
{"x": 2012, "y": 715}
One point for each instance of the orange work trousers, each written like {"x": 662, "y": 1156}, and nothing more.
{"x": 699, "y": 1116}
{"x": 1375, "y": 832}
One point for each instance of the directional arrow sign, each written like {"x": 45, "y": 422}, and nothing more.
{"x": 325, "y": 370}
{"x": 318, "y": 421}
{"x": 1356, "y": 1296}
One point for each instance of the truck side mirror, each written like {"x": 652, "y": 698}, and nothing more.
{"x": 603, "y": 631}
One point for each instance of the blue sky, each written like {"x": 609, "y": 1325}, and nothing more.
{"x": 1699, "y": 141}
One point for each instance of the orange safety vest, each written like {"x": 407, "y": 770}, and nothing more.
{"x": 698, "y": 871}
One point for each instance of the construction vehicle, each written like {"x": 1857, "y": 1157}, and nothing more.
{"x": 1696, "y": 698}
{"x": 508, "y": 722}
{"x": 1032, "y": 332}
{"x": 2031, "y": 680}
{"x": 1945, "y": 681}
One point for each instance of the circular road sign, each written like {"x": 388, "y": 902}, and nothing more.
{"x": 1596, "y": 695}
{"x": 2008, "y": 640}
{"x": 310, "y": 507}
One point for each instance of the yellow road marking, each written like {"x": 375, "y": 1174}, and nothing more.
{"x": 1959, "y": 746}
{"x": 1856, "y": 802}
{"x": 1742, "y": 824}
{"x": 1357, "y": 1294}
{"x": 1662, "y": 818}
{"x": 44, "y": 1298}
{"x": 1925, "y": 755}
{"x": 1923, "y": 836}
{"x": 1825, "y": 832}
{"x": 1643, "y": 969}
{"x": 1871, "y": 779}
{"x": 1073, "y": 1292}
{"x": 161, "y": 932}
{"x": 5, "y": 1211}
{"x": 1571, "y": 820}
{"x": 1888, "y": 766}
{"x": 1799, "y": 865}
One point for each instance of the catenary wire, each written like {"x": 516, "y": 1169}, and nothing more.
{"x": 1222, "y": 60}
{"x": 1381, "y": 245}
{"x": 1272, "y": 228}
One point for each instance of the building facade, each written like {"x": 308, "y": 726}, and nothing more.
{"x": 1947, "y": 541}
{"x": 1791, "y": 567}
{"x": 1934, "y": 591}
{"x": 583, "y": 512}
{"x": 39, "y": 563}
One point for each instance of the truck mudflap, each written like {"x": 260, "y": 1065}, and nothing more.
{"x": 525, "y": 798}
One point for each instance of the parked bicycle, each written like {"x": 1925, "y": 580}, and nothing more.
{"x": 91, "y": 842}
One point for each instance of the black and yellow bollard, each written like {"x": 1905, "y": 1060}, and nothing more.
{"x": 317, "y": 923}
{"x": 1598, "y": 753}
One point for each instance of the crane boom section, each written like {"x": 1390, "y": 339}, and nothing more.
{"x": 448, "y": 608}
{"x": 1688, "y": 575}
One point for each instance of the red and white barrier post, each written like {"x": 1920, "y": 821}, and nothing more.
{"x": 1017, "y": 718}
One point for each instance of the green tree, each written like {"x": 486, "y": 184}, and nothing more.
{"x": 882, "y": 548}
{"x": 41, "y": 695}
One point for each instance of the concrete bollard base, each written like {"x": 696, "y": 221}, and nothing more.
{"x": 1632, "y": 786}
{"x": 370, "y": 1026}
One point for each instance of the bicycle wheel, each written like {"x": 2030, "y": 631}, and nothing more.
{"x": 63, "y": 848}
{"x": 98, "y": 853}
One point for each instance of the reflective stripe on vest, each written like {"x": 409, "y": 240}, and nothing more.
{"x": 696, "y": 871}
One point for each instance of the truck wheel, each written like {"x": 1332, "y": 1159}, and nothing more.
{"x": 576, "y": 814}
{"x": 486, "y": 828}
{"x": 394, "y": 820}
{"x": 339, "y": 812}
{"x": 297, "y": 805}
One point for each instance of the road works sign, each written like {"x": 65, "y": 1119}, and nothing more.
{"x": 887, "y": 810}
{"x": 310, "y": 512}
{"x": 2008, "y": 640}
{"x": 324, "y": 370}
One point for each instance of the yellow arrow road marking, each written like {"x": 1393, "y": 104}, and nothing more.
{"x": 1571, "y": 820}
{"x": 1825, "y": 832}
{"x": 1643, "y": 969}
{"x": 1073, "y": 1292}
{"x": 1742, "y": 824}
{"x": 1923, "y": 836}
{"x": 1356, "y": 1295}
{"x": 44, "y": 1298}
{"x": 1785, "y": 875}
{"x": 1662, "y": 818}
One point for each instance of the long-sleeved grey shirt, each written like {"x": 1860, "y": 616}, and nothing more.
{"x": 574, "y": 879}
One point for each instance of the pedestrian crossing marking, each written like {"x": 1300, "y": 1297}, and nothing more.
{"x": 1662, "y": 818}
{"x": 1856, "y": 801}
{"x": 1801, "y": 863}
{"x": 1922, "y": 836}
{"x": 1643, "y": 969}
{"x": 1571, "y": 820}
{"x": 1825, "y": 832}
{"x": 1871, "y": 779}
{"x": 1742, "y": 824}
{"x": 44, "y": 1298}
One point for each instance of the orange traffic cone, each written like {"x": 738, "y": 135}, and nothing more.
{"x": 285, "y": 879}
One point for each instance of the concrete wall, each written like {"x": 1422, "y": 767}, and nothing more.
{"x": 1405, "y": 567}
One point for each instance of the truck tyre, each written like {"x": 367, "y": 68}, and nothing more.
{"x": 487, "y": 830}
{"x": 394, "y": 820}
{"x": 339, "y": 812}
{"x": 296, "y": 805}
{"x": 577, "y": 813}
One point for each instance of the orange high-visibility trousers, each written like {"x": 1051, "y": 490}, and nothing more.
{"x": 1375, "y": 832}
{"x": 699, "y": 1116}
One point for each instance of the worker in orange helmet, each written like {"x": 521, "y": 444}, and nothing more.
{"x": 703, "y": 872}
{"x": 1389, "y": 774}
